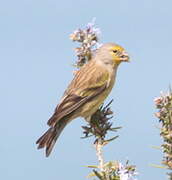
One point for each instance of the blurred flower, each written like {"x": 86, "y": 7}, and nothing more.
{"x": 88, "y": 38}
{"x": 115, "y": 170}
{"x": 125, "y": 173}
{"x": 158, "y": 114}
{"x": 158, "y": 101}
{"x": 164, "y": 114}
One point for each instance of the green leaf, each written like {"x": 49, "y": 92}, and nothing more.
{"x": 98, "y": 174}
{"x": 92, "y": 166}
{"x": 157, "y": 147}
{"x": 109, "y": 140}
{"x": 158, "y": 166}
{"x": 91, "y": 175}
{"x": 115, "y": 128}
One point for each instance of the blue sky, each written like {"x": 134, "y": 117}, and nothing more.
{"x": 36, "y": 58}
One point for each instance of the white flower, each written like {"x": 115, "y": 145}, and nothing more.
{"x": 125, "y": 174}
{"x": 98, "y": 45}
{"x": 92, "y": 23}
{"x": 91, "y": 28}
{"x": 96, "y": 31}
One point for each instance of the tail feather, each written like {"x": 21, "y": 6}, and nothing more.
{"x": 49, "y": 138}
{"x": 43, "y": 139}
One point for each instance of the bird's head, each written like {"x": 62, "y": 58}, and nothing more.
{"x": 112, "y": 53}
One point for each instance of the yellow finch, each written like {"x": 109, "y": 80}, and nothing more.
{"x": 87, "y": 91}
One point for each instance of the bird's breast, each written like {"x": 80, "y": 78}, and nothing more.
{"x": 91, "y": 107}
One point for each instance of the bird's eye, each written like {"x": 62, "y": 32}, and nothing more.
{"x": 115, "y": 51}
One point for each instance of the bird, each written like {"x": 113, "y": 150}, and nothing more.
{"x": 90, "y": 86}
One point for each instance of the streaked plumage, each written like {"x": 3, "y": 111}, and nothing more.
{"x": 87, "y": 91}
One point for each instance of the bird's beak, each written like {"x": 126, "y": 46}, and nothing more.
{"x": 125, "y": 57}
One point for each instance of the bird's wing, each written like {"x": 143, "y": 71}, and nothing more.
{"x": 88, "y": 83}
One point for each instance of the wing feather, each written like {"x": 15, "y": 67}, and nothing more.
{"x": 78, "y": 92}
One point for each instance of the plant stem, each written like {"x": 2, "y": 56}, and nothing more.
{"x": 99, "y": 153}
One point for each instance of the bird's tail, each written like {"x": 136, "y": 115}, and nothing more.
{"x": 49, "y": 138}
